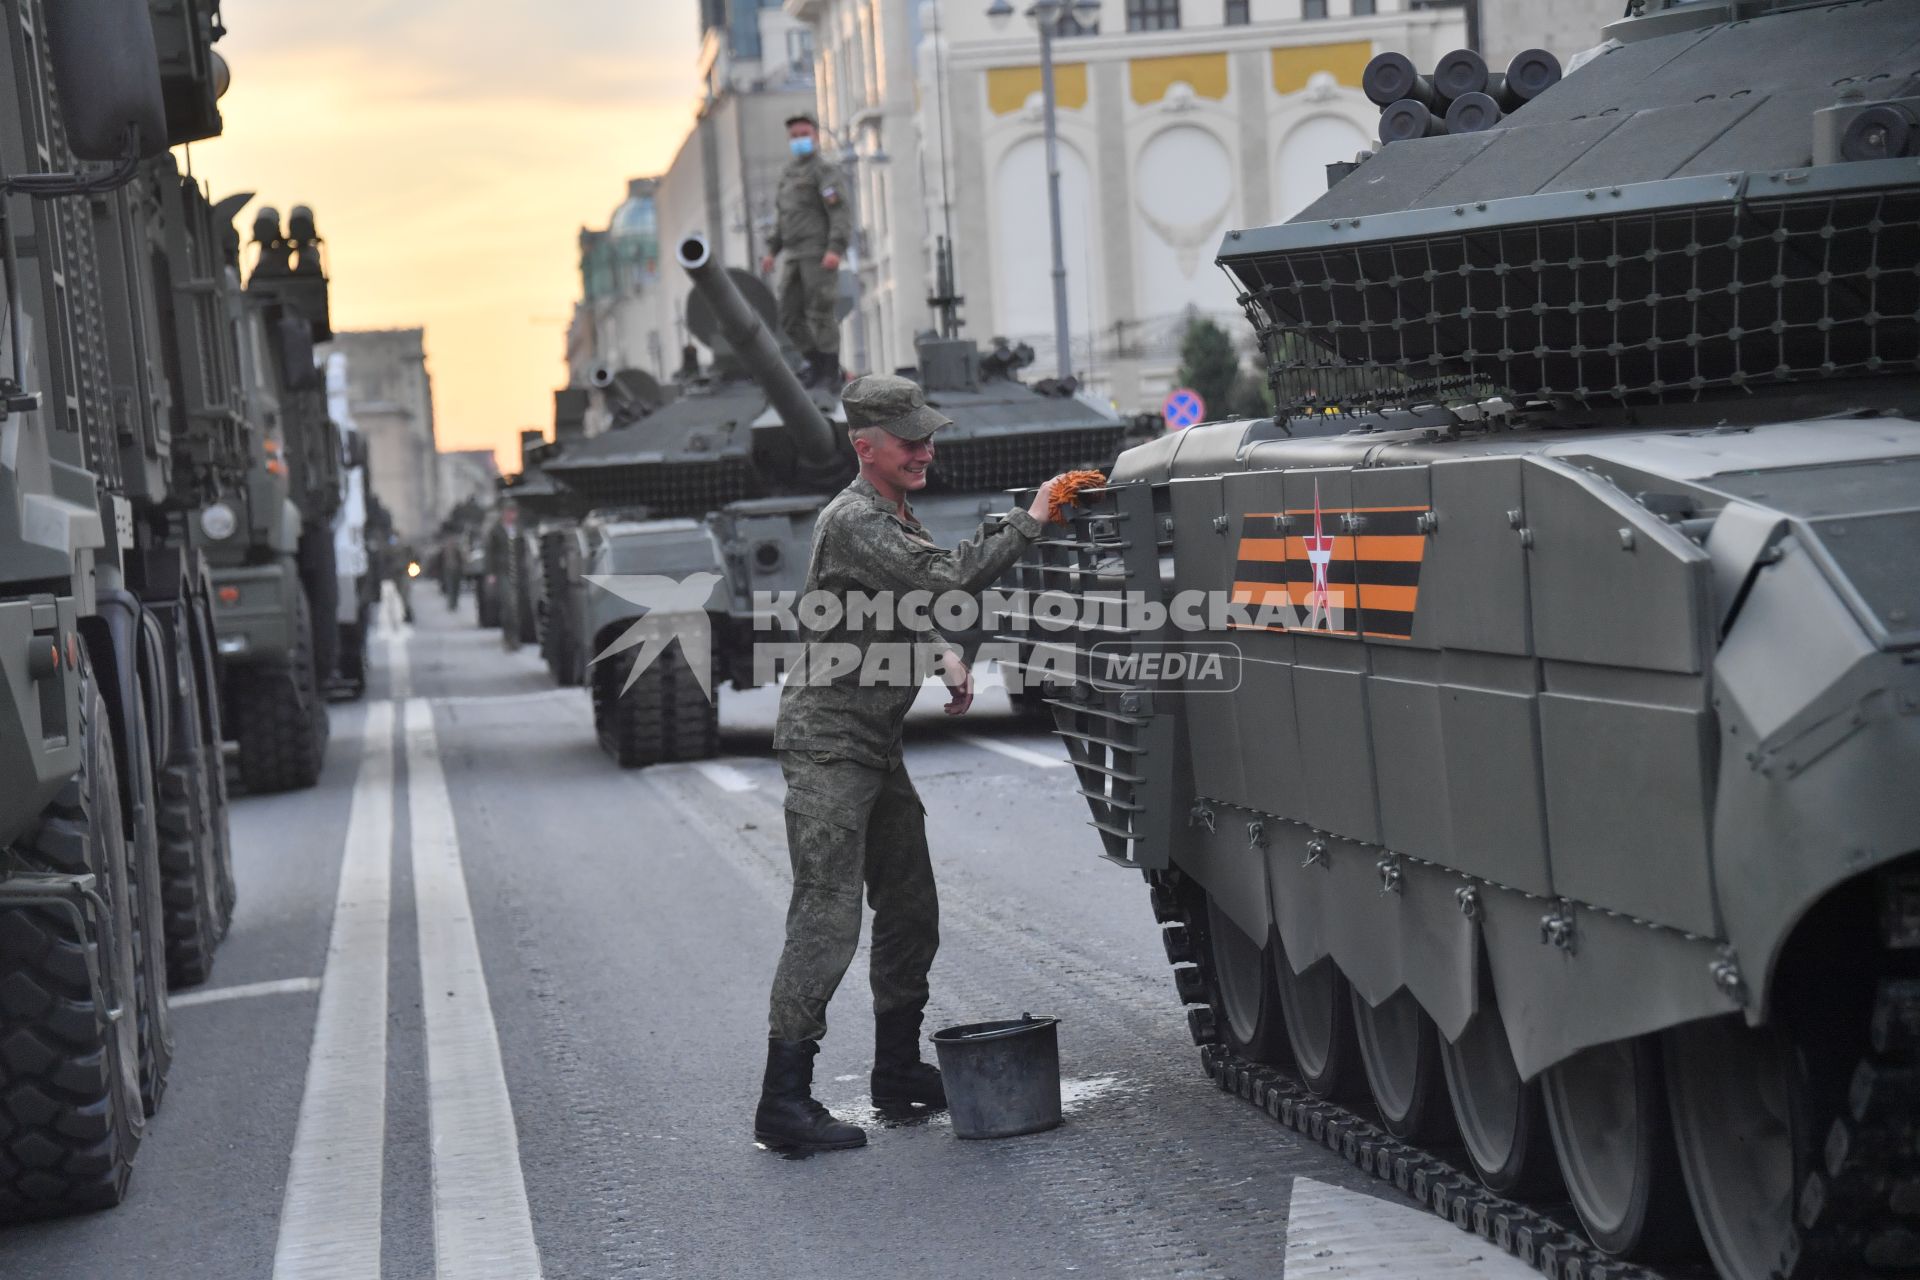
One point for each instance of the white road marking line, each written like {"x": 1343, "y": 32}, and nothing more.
{"x": 330, "y": 1218}
{"x": 1331, "y": 1232}
{"x": 725, "y": 776}
{"x": 508, "y": 699}
{"x": 1022, "y": 754}
{"x": 482, "y": 1228}
{"x": 214, "y": 995}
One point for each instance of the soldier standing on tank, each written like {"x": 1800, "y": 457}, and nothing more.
{"x": 853, "y": 818}
{"x": 813, "y": 228}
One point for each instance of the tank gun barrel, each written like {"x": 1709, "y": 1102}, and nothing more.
{"x": 743, "y": 329}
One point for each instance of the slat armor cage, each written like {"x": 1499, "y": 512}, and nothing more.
{"x": 1658, "y": 291}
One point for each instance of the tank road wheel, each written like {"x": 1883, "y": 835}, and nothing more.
{"x": 1400, "y": 1049}
{"x": 1607, "y": 1107}
{"x": 1244, "y": 988}
{"x": 1318, "y": 1014}
{"x": 189, "y": 853}
{"x": 70, "y": 1109}
{"x": 1740, "y": 1121}
{"x": 280, "y": 718}
{"x": 663, "y": 717}
{"x": 1502, "y": 1119}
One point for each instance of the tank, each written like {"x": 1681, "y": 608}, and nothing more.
{"x": 725, "y": 479}
{"x": 124, "y": 417}
{"x": 1548, "y": 821}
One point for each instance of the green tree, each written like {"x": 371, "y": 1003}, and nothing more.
{"x": 1209, "y": 364}
{"x": 1252, "y": 397}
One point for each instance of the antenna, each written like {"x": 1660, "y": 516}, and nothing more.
{"x": 946, "y": 141}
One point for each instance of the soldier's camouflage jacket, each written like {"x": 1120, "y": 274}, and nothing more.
{"x": 861, "y": 544}
{"x": 814, "y": 217}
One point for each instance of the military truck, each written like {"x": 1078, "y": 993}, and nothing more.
{"x": 1556, "y": 799}
{"x": 121, "y": 408}
{"x": 270, "y": 539}
{"x": 727, "y": 477}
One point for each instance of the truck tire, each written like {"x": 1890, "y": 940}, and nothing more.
{"x": 71, "y": 1116}
{"x": 663, "y": 717}
{"x": 352, "y": 668}
{"x": 319, "y": 577}
{"x": 280, "y": 718}
{"x": 152, "y": 1015}
{"x": 189, "y": 851}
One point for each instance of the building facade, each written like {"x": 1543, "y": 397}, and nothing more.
{"x": 1179, "y": 120}
{"x": 868, "y": 88}
{"x": 1562, "y": 27}
{"x": 756, "y": 69}
{"x": 390, "y": 394}
{"x": 466, "y": 474}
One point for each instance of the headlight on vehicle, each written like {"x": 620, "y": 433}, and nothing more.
{"x": 218, "y": 521}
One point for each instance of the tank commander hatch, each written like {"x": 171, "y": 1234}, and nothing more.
{"x": 853, "y": 816}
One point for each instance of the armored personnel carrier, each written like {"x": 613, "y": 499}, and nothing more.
{"x": 1562, "y": 805}
{"x": 122, "y": 412}
{"x": 725, "y": 480}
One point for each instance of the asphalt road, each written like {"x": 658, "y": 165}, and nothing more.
{"x": 493, "y": 1008}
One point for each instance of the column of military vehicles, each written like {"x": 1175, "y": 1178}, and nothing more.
{"x": 722, "y": 475}
{"x": 1558, "y": 840}
{"x": 169, "y": 486}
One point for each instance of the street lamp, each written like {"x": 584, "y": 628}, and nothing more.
{"x": 1047, "y": 17}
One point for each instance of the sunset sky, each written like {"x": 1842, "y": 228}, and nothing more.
{"x": 451, "y": 149}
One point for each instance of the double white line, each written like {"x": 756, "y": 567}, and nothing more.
{"x": 330, "y": 1221}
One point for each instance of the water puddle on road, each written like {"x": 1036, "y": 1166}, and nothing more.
{"x": 1077, "y": 1094}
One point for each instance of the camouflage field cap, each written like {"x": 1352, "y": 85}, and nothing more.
{"x": 894, "y": 403}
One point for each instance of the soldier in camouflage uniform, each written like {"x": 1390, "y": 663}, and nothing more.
{"x": 815, "y": 223}
{"x": 853, "y": 817}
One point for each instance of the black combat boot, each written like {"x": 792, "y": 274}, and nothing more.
{"x": 788, "y": 1116}
{"x": 810, "y": 372}
{"x": 900, "y": 1079}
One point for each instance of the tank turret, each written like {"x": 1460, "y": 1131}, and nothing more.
{"x": 755, "y": 347}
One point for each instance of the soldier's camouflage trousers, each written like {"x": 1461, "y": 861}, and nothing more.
{"x": 807, "y": 292}
{"x": 851, "y": 827}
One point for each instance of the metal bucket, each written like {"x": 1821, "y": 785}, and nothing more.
{"x": 1002, "y": 1078}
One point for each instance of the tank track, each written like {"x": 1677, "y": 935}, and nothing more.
{"x": 1549, "y": 1246}
{"x": 1859, "y": 1210}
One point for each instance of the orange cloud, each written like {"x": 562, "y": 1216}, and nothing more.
{"x": 449, "y": 173}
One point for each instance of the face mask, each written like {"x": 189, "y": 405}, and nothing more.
{"x": 802, "y": 146}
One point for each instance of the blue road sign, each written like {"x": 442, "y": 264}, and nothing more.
{"x": 1182, "y": 408}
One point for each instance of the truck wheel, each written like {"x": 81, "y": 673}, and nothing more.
{"x": 663, "y": 717}
{"x": 189, "y": 857}
{"x": 219, "y": 807}
{"x": 280, "y": 718}
{"x": 353, "y": 660}
{"x": 151, "y": 1013}
{"x": 70, "y": 1109}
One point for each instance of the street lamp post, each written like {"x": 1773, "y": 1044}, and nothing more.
{"x": 1047, "y": 15}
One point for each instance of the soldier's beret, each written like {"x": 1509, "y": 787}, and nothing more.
{"x": 895, "y": 404}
